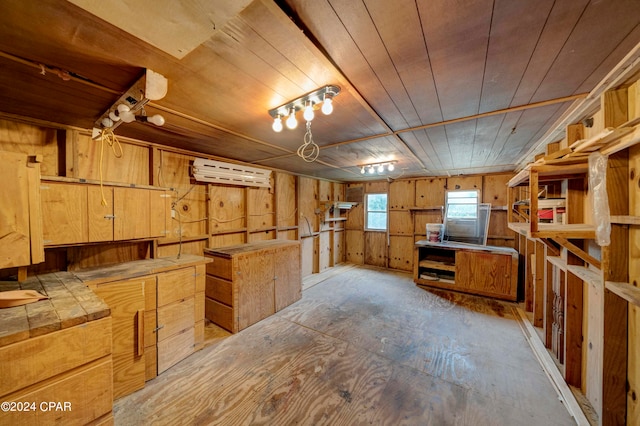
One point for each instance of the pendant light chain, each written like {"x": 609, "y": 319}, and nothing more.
{"x": 309, "y": 150}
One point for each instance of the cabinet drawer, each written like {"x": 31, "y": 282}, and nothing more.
{"x": 219, "y": 314}
{"x": 176, "y": 285}
{"x": 175, "y": 348}
{"x": 175, "y": 317}
{"x": 150, "y": 362}
{"x": 219, "y": 289}
{"x": 220, "y": 267}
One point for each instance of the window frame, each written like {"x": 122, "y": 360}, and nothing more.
{"x": 367, "y": 211}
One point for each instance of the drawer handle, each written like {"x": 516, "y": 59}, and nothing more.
{"x": 155, "y": 330}
{"x": 109, "y": 216}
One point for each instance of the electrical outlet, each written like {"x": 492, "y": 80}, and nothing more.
{"x": 173, "y": 213}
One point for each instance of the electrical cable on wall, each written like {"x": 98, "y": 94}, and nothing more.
{"x": 309, "y": 150}
{"x": 107, "y": 136}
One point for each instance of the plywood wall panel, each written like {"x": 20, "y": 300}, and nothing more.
{"x": 308, "y": 255}
{"x": 355, "y": 217}
{"x": 494, "y": 189}
{"x": 191, "y": 247}
{"x": 375, "y": 249}
{"x": 402, "y": 194}
{"x": 421, "y": 218}
{"x": 189, "y": 199}
{"x": 325, "y": 259}
{"x": 307, "y": 204}
{"x": 430, "y": 192}
{"x": 82, "y": 257}
{"x": 325, "y": 191}
{"x": 401, "y": 253}
{"x": 260, "y": 208}
{"x": 291, "y": 234}
{"x": 400, "y": 222}
{"x": 465, "y": 182}
{"x": 261, "y": 236}
{"x": 131, "y": 165}
{"x": 338, "y": 247}
{"x": 227, "y": 208}
{"x": 224, "y": 240}
{"x": 354, "y": 246}
{"x": 286, "y": 200}
{"x": 31, "y": 140}
{"x": 379, "y": 187}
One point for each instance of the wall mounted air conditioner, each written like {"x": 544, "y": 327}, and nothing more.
{"x": 230, "y": 174}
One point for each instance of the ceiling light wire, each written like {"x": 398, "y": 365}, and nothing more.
{"x": 309, "y": 150}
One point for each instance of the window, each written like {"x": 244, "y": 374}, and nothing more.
{"x": 461, "y": 216}
{"x": 376, "y": 212}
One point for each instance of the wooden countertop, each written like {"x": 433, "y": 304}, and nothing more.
{"x": 453, "y": 245}
{"x": 249, "y": 247}
{"x": 138, "y": 268}
{"x": 71, "y": 302}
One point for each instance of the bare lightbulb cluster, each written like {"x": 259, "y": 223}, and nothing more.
{"x": 308, "y": 104}
{"x": 377, "y": 167}
{"x": 123, "y": 112}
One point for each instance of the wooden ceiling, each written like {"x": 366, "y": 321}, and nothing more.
{"x": 440, "y": 86}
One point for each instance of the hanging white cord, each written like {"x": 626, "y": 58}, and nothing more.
{"x": 308, "y": 151}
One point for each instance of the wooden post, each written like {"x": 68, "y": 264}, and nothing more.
{"x": 539, "y": 285}
{"x": 573, "y": 311}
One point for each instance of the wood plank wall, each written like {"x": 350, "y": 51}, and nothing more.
{"x": 413, "y": 203}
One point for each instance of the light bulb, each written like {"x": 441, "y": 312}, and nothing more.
{"x": 327, "y": 106}
{"x": 308, "y": 112}
{"x": 390, "y": 167}
{"x": 156, "y": 119}
{"x": 291, "y": 121}
{"x": 127, "y": 116}
{"x": 113, "y": 115}
{"x": 362, "y": 170}
{"x": 371, "y": 170}
{"x": 277, "y": 124}
{"x": 107, "y": 122}
{"x": 381, "y": 168}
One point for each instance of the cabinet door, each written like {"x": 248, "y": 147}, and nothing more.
{"x": 14, "y": 215}
{"x": 484, "y": 273}
{"x": 288, "y": 282}
{"x": 160, "y": 213}
{"x": 254, "y": 280}
{"x": 64, "y": 213}
{"x": 100, "y": 216}
{"x": 126, "y": 300}
{"x": 131, "y": 209}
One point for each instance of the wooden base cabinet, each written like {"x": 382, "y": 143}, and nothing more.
{"x": 158, "y": 319}
{"x": 482, "y": 270}
{"x": 249, "y": 282}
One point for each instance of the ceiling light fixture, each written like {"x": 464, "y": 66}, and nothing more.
{"x": 377, "y": 167}
{"x": 150, "y": 87}
{"x": 308, "y": 151}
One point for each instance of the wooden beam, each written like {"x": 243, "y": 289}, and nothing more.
{"x": 578, "y": 251}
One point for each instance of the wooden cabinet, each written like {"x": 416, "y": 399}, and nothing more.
{"x": 158, "y": 317}
{"x": 483, "y": 270}
{"x": 127, "y": 302}
{"x": 20, "y": 218}
{"x": 74, "y": 213}
{"x": 56, "y": 350}
{"x": 249, "y": 282}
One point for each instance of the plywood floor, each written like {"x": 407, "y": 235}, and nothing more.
{"x": 365, "y": 346}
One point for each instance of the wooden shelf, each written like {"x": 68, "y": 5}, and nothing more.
{"x": 168, "y": 241}
{"x": 270, "y": 228}
{"x": 551, "y": 230}
{"x": 625, "y": 220}
{"x": 558, "y": 261}
{"x": 587, "y": 275}
{"x": 437, "y": 265}
{"x": 336, "y": 219}
{"x": 625, "y": 290}
{"x": 549, "y": 172}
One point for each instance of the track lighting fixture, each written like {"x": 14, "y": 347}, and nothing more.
{"x": 377, "y": 167}
{"x": 308, "y": 151}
